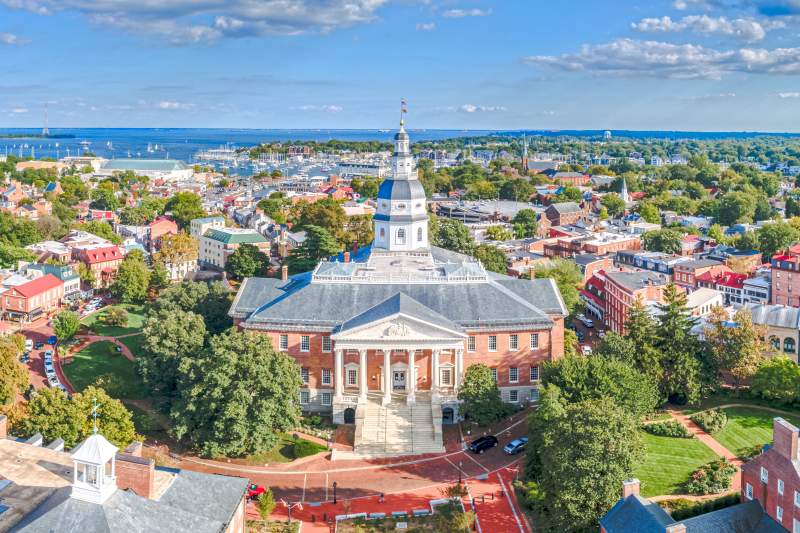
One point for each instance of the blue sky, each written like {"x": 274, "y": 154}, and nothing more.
{"x": 505, "y": 64}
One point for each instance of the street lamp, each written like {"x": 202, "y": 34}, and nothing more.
{"x": 289, "y": 507}
{"x": 334, "y": 492}
{"x": 459, "y": 471}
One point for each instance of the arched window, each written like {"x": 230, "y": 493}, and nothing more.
{"x": 776, "y": 342}
{"x": 419, "y": 234}
{"x": 401, "y": 236}
{"x": 788, "y": 345}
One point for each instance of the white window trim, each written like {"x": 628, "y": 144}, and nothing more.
{"x": 308, "y": 338}
{"x": 305, "y": 374}
{"x": 780, "y": 487}
{"x": 796, "y": 499}
{"x": 779, "y": 513}
{"x": 449, "y": 371}
{"x": 513, "y": 342}
{"x": 510, "y": 380}
{"x": 307, "y": 395}
{"x": 494, "y": 374}
{"x": 323, "y": 396}
{"x": 512, "y": 400}
{"x": 748, "y": 491}
{"x": 326, "y": 373}
{"x": 327, "y": 344}
{"x": 764, "y": 475}
{"x": 281, "y": 345}
{"x": 534, "y": 345}
{"x": 538, "y": 373}
{"x": 489, "y": 343}
{"x": 471, "y": 343}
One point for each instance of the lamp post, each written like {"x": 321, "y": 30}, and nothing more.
{"x": 459, "y": 471}
{"x": 334, "y": 492}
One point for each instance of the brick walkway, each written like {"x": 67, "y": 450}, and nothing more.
{"x": 712, "y": 443}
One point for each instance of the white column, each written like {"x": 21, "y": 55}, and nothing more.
{"x": 459, "y": 367}
{"x": 411, "y": 384}
{"x": 362, "y": 376}
{"x": 387, "y": 376}
{"x": 338, "y": 369}
{"x": 435, "y": 374}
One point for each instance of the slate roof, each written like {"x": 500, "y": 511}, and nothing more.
{"x": 391, "y": 189}
{"x": 565, "y": 207}
{"x": 399, "y": 303}
{"x": 162, "y": 165}
{"x": 774, "y": 315}
{"x": 200, "y": 503}
{"x": 639, "y": 515}
{"x": 633, "y": 281}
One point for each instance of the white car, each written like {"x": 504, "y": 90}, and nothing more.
{"x": 53, "y": 381}
{"x": 587, "y": 350}
{"x": 28, "y": 345}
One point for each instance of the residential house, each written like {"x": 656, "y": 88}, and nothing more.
{"x": 561, "y": 214}
{"x": 623, "y": 288}
{"x": 757, "y": 290}
{"x": 102, "y": 260}
{"x": 729, "y": 283}
{"x": 786, "y": 277}
{"x": 216, "y": 245}
{"x": 198, "y": 226}
{"x": 66, "y": 273}
{"x": 685, "y": 273}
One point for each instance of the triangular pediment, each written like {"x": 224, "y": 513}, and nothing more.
{"x": 400, "y": 328}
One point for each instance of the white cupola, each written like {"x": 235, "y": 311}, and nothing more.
{"x": 94, "y": 478}
{"x": 401, "y": 219}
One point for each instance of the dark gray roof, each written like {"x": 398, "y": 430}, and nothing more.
{"x": 635, "y": 514}
{"x": 585, "y": 259}
{"x": 634, "y": 281}
{"x": 565, "y": 207}
{"x": 748, "y": 517}
{"x": 699, "y": 263}
{"x": 401, "y": 190}
{"x": 399, "y": 303}
{"x": 639, "y": 515}
{"x": 778, "y": 316}
{"x": 194, "y": 502}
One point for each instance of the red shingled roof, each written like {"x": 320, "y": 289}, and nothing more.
{"x": 101, "y": 255}
{"x": 38, "y": 286}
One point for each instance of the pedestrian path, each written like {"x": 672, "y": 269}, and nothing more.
{"x": 712, "y": 443}
{"x": 494, "y": 504}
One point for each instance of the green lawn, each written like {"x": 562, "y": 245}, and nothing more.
{"x": 135, "y": 321}
{"x": 101, "y": 359}
{"x": 134, "y": 344}
{"x": 748, "y": 427}
{"x": 669, "y": 462}
{"x": 282, "y": 452}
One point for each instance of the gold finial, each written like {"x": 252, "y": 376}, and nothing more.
{"x": 403, "y": 111}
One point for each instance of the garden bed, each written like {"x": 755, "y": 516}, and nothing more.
{"x": 286, "y": 450}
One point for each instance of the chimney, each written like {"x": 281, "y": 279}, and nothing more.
{"x": 355, "y": 248}
{"x": 3, "y": 426}
{"x": 784, "y": 436}
{"x": 630, "y": 487}
{"x": 136, "y": 473}
{"x": 347, "y": 257}
{"x": 675, "y": 528}
{"x": 284, "y": 272}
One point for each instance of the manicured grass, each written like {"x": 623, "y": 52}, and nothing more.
{"x": 669, "y": 462}
{"x": 748, "y": 427}
{"x": 135, "y": 321}
{"x": 101, "y": 359}
{"x": 283, "y": 451}
{"x": 134, "y": 344}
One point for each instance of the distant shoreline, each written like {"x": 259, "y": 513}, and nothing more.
{"x": 36, "y": 136}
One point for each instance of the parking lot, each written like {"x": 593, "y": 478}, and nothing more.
{"x": 590, "y": 335}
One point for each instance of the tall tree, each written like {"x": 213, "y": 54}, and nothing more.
{"x": 568, "y": 277}
{"x": 237, "y": 396}
{"x": 480, "y": 395}
{"x": 614, "y": 204}
{"x": 176, "y": 249}
{"x": 319, "y": 244}
{"x": 776, "y": 236}
{"x": 650, "y": 213}
{"x": 184, "y": 207}
{"x": 492, "y": 258}
{"x": 639, "y": 329}
{"x": 451, "y": 235}
{"x": 247, "y": 261}
{"x": 133, "y": 279}
{"x": 585, "y": 453}
{"x": 66, "y": 324}
{"x": 736, "y": 207}
{"x": 662, "y": 240}
{"x": 13, "y": 374}
{"x": 737, "y": 348}
{"x": 101, "y": 229}
{"x": 680, "y": 349}
{"x": 526, "y": 223}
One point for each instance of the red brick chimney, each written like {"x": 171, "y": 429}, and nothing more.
{"x": 630, "y": 487}
{"x": 785, "y": 435}
{"x": 3, "y": 426}
{"x": 284, "y": 272}
{"x": 136, "y": 473}
{"x": 355, "y": 248}
{"x": 347, "y": 257}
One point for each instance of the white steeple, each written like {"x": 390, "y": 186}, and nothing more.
{"x": 624, "y": 192}
{"x": 401, "y": 220}
{"x": 94, "y": 468}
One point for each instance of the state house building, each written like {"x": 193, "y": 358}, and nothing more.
{"x": 384, "y": 337}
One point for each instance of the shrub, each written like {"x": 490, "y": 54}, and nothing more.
{"x": 304, "y": 448}
{"x": 670, "y": 428}
{"x": 711, "y": 421}
{"x": 116, "y": 316}
{"x": 712, "y": 478}
{"x": 750, "y": 452}
{"x": 681, "y": 508}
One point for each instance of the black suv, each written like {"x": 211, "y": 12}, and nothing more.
{"x": 483, "y": 443}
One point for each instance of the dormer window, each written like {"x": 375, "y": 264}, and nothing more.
{"x": 401, "y": 206}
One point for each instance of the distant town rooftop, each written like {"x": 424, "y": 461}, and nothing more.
{"x": 151, "y": 165}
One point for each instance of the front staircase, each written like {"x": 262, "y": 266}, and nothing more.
{"x": 397, "y": 428}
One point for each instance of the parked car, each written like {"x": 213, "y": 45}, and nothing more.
{"x": 38, "y": 345}
{"x": 601, "y": 333}
{"x": 254, "y": 491}
{"x": 53, "y": 381}
{"x": 28, "y": 345}
{"x": 515, "y": 446}
{"x": 48, "y": 355}
{"x": 580, "y": 336}
{"x": 24, "y": 358}
{"x": 482, "y": 444}
{"x": 52, "y": 340}
{"x": 587, "y": 350}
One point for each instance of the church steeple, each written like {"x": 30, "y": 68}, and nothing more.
{"x": 524, "y": 154}
{"x": 624, "y": 192}
{"x": 401, "y": 220}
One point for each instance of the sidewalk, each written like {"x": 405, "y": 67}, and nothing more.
{"x": 715, "y": 446}
{"x": 496, "y": 509}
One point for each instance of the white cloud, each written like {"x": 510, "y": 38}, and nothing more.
{"x": 745, "y": 29}
{"x": 791, "y": 94}
{"x": 471, "y": 108}
{"x": 19, "y": 110}
{"x": 709, "y": 97}
{"x": 187, "y": 21}
{"x": 667, "y": 60}
{"x": 325, "y": 108}
{"x": 461, "y": 13}
{"x": 12, "y": 39}
{"x": 172, "y": 105}
{"x": 426, "y": 26}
